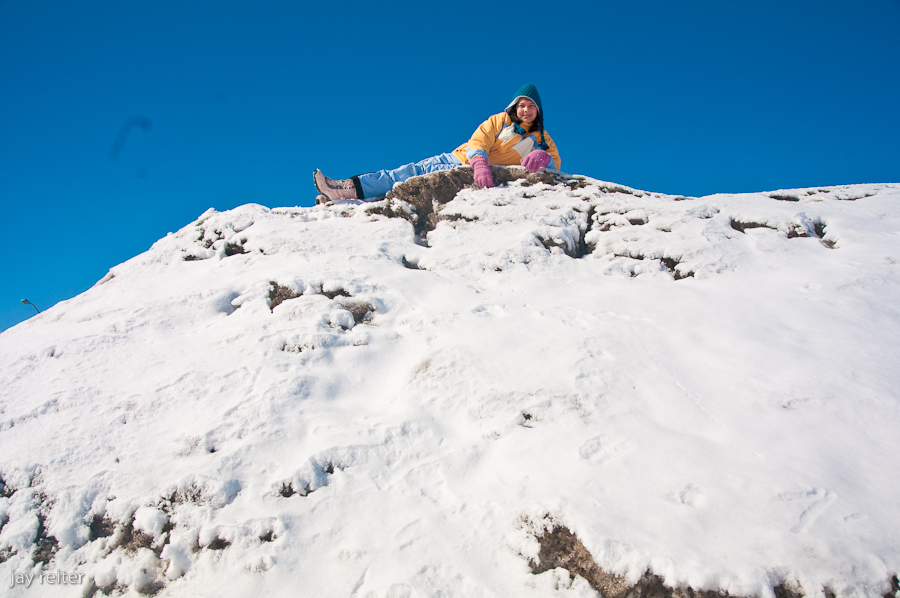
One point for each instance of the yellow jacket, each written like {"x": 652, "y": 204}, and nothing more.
{"x": 497, "y": 141}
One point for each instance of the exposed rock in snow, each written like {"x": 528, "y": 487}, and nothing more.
{"x": 388, "y": 398}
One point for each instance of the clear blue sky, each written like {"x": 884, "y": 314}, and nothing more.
{"x": 246, "y": 98}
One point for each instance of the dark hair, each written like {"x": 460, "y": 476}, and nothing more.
{"x": 536, "y": 127}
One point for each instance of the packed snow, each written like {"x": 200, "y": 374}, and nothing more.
{"x": 319, "y": 402}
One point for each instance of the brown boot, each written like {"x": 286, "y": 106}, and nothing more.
{"x": 332, "y": 189}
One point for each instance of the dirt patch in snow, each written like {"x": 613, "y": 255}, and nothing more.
{"x": 235, "y": 248}
{"x": 559, "y": 547}
{"x": 429, "y": 192}
{"x": 337, "y": 292}
{"x": 279, "y": 294}
{"x": 45, "y": 544}
{"x": 795, "y": 231}
{"x": 359, "y": 308}
{"x": 131, "y": 540}
{"x": 671, "y": 265}
{"x": 304, "y": 487}
{"x": 6, "y": 490}
{"x": 269, "y": 536}
{"x": 412, "y": 265}
{"x": 101, "y": 526}
{"x": 106, "y": 590}
{"x": 219, "y": 544}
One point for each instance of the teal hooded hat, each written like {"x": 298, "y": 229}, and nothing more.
{"x": 528, "y": 91}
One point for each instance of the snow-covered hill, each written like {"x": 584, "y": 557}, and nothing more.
{"x": 320, "y": 402}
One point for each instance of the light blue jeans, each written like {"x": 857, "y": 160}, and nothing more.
{"x": 377, "y": 184}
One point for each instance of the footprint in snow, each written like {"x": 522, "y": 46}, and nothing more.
{"x": 603, "y": 448}
{"x": 496, "y": 311}
{"x": 815, "y": 502}
{"x": 691, "y": 495}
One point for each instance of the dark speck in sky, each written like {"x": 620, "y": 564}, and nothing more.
{"x": 124, "y": 130}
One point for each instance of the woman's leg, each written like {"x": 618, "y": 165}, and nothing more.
{"x": 377, "y": 184}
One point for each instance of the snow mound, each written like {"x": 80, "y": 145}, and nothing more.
{"x": 343, "y": 400}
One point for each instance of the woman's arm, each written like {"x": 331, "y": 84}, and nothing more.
{"x": 484, "y": 136}
{"x": 553, "y": 151}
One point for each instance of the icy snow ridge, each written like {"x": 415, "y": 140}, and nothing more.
{"x": 319, "y": 401}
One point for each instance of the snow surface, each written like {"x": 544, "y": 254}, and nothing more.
{"x": 734, "y": 428}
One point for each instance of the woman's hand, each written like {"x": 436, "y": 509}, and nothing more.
{"x": 535, "y": 160}
{"x": 483, "y": 176}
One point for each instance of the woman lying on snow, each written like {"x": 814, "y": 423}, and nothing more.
{"x": 510, "y": 138}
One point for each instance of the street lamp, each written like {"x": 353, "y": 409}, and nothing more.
{"x": 27, "y": 302}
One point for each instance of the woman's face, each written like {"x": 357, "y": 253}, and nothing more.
{"x": 526, "y": 110}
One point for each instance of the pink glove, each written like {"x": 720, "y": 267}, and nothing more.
{"x": 483, "y": 176}
{"x": 535, "y": 160}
